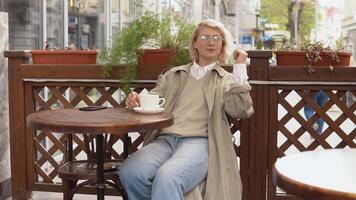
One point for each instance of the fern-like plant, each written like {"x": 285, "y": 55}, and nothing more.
{"x": 148, "y": 31}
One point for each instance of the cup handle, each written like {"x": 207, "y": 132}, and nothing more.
{"x": 163, "y": 101}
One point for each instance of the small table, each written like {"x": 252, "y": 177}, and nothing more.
{"x": 110, "y": 120}
{"x": 320, "y": 175}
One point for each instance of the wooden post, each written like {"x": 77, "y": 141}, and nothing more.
{"x": 19, "y": 161}
{"x": 258, "y": 125}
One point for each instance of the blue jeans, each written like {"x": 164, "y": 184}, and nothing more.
{"x": 166, "y": 168}
{"x": 320, "y": 98}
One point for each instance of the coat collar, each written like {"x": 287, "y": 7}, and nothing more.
{"x": 216, "y": 68}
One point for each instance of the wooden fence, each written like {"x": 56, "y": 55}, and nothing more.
{"x": 277, "y": 128}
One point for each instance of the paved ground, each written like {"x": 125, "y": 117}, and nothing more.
{"x": 58, "y": 196}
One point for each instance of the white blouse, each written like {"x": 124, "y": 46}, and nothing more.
{"x": 239, "y": 72}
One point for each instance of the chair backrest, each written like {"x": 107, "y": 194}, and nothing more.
{"x": 90, "y": 145}
{"x": 235, "y": 127}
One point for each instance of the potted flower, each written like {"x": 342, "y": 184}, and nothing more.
{"x": 310, "y": 54}
{"x": 150, "y": 41}
{"x": 70, "y": 55}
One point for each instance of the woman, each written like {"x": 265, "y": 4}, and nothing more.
{"x": 198, "y": 146}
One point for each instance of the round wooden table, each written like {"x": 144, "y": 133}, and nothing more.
{"x": 110, "y": 120}
{"x": 320, "y": 175}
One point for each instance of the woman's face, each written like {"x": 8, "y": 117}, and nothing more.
{"x": 208, "y": 44}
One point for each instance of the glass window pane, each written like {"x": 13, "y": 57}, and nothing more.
{"x": 55, "y": 24}
{"x": 24, "y": 25}
{"x": 83, "y": 23}
{"x": 176, "y": 9}
{"x": 115, "y": 17}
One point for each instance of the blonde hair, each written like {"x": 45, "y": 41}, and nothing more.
{"x": 226, "y": 42}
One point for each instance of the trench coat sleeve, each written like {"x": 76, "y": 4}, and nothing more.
{"x": 238, "y": 102}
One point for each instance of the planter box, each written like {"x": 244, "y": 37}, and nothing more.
{"x": 152, "y": 62}
{"x": 298, "y": 58}
{"x": 64, "y": 57}
{"x": 156, "y": 56}
{"x": 151, "y": 72}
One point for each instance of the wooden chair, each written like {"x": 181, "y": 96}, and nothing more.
{"x": 233, "y": 129}
{"x": 71, "y": 171}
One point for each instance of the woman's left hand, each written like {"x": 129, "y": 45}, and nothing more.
{"x": 240, "y": 56}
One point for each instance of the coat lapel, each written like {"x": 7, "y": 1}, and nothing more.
{"x": 210, "y": 86}
{"x": 209, "y": 90}
{"x": 183, "y": 74}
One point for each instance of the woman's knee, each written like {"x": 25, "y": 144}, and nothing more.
{"x": 125, "y": 173}
{"x": 166, "y": 176}
{"x": 128, "y": 171}
{"x": 133, "y": 172}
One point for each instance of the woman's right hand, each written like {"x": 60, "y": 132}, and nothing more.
{"x": 240, "y": 56}
{"x": 132, "y": 100}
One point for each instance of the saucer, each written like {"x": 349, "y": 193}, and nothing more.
{"x": 140, "y": 110}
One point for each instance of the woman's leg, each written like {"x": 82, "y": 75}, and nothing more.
{"x": 138, "y": 171}
{"x": 321, "y": 100}
{"x": 308, "y": 111}
{"x": 187, "y": 167}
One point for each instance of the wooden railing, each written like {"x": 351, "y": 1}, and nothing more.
{"x": 277, "y": 128}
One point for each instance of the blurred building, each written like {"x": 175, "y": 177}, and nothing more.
{"x": 329, "y": 25}
{"x": 274, "y": 37}
{"x": 349, "y": 26}
{"x": 93, "y": 23}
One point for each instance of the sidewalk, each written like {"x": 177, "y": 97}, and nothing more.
{"x": 59, "y": 196}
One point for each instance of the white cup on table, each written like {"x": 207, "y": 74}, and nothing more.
{"x": 151, "y": 101}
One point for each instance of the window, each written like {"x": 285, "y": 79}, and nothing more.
{"x": 83, "y": 23}
{"x": 54, "y": 23}
{"x": 24, "y": 25}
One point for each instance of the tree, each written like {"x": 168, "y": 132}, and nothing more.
{"x": 282, "y": 12}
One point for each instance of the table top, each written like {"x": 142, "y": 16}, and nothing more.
{"x": 327, "y": 174}
{"x": 110, "y": 120}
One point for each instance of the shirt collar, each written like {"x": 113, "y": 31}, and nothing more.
{"x": 209, "y": 67}
{"x": 189, "y": 66}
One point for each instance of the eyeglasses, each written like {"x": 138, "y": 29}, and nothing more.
{"x": 214, "y": 38}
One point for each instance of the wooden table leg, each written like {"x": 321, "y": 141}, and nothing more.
{"x": 100, "y": 185}
{"x": 127, "y": 145}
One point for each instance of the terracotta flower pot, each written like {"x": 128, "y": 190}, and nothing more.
{"x": 156, "y": 56}
{"x": 64, "y": 56}
{"x": 159, "y": 61}
{"x": 298, "y": 58}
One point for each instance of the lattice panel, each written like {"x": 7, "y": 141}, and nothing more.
{"x": 49, "y": 146}
{"x": 296, "y": 133}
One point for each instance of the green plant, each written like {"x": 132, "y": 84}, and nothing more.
{"x": 339, "y": 44}
{"x": 148, "y": 31}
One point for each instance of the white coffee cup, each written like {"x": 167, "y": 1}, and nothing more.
{"x": 151, "y": 101}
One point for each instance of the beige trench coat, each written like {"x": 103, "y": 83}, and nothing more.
{"x": 223, "y": 181}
